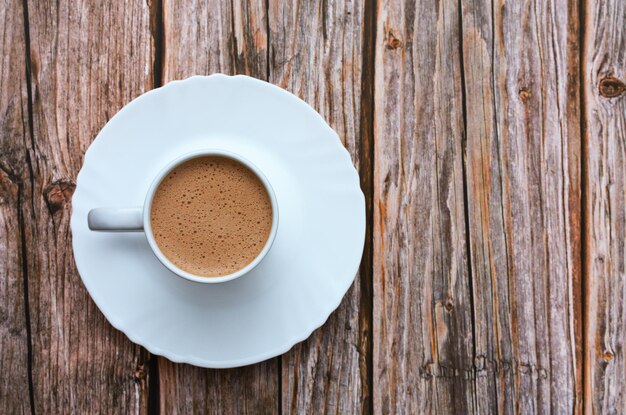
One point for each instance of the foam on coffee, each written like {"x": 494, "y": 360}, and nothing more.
{"x": 211, "y": 216}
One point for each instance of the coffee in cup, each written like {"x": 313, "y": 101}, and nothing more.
{"x": 211, "y": 216}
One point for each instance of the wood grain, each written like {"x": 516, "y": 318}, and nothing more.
{"x": 523, "y": 156}
{"x": 202, "y": 38}
{"x": 14, "y": 133}
{"x": 423, "y": 330}
{"x": 188, "y": 389}
{"x": 464, "y": 119}
{"x": 317, "y": 51}
{"x": 87, "y": 59}
{"x": 604, "y": 86}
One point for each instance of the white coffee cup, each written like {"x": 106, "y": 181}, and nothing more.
{"x": 137, "y": 219}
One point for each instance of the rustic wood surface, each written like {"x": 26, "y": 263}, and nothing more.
{"x": 491, "y": 142}
{"x": 15, "y": 354}
{"x": 604, "y": 133}
{"x": 422, "y": 304}
{"x": 521, "y": 81}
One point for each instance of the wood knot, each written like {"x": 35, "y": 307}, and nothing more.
{"x": 607, "y": 356}
{"x": 140, "y": 372}
{"x": 427, "y": 371}
{"x": 392, "y": 41}
{"x": 9, "y": 188}
{"x": 449, "y": 306}
{"x": 480, "y": 362}
{"x": 524, "y": 94}
{"x": 58, "y": 193}
{"x": 611, "y": 87}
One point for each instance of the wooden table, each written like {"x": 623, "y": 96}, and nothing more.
{"x": 491, "y": 142}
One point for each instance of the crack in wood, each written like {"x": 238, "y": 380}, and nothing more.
{"x": 157, "y": 31}
{"x": 366, "y": 171}
{"x": 20, "y": 205}
{"x": 465, "y": 193}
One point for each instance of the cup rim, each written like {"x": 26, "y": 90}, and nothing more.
{"x": 148, "y": 205}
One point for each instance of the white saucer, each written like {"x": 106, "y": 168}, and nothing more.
{"x": 313, "y": 261}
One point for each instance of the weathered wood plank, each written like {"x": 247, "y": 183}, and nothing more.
{"x": 14, "y": 132}
{"x": 88, "y": 59}
{"x": 423, "y": 332}
{"x": 523, "y": 155}
{"x": 317, "y": 51}
{"x": 202, "y": 38}
{"x": 604, "y": 83}
{"x": 188, "y": 389}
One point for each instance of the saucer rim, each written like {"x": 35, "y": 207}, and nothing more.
{"x": 314, "y": 324}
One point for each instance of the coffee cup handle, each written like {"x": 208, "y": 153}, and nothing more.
{"x": 116, "y": 219}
